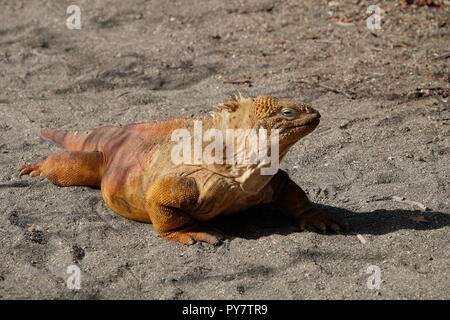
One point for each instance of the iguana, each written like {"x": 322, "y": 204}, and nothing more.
{"x": 134, "y": 168}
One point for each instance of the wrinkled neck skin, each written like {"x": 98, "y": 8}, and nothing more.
{"x": 254, "y": 176}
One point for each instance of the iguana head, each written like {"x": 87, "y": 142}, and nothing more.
{"x": 293, "y": 119}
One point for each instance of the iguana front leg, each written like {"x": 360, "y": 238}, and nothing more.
{"x": 290, "y": 198}
{"x": 169, "y": 199}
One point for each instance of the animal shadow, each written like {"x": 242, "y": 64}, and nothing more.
{"x": 17, "y": 184}
{"x": 264, "y": 220}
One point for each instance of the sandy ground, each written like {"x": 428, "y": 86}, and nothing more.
{"x": 383, "y": 95}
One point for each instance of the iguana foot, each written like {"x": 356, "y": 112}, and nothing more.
{"x": 321, "y": 221}
{"x": 197, "y": 232}
{"x": 32, "y": 170}
{"x": 293, "y": 201}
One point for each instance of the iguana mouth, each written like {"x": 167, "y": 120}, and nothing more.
{"x": 312, "y": 123}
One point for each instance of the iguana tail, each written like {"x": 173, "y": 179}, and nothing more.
{"x": 87, "y": 140}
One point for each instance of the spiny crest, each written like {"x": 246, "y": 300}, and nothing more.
{"x": 264, "y": 106}
{"x": 233, "y": 105}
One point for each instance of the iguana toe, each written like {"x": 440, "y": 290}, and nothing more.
{"x": 195, "y": 233}
{"x": 32, "y": 170}
{"x": 321, "y": 221}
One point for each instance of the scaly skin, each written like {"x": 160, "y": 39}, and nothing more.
{"x": 138, "y": 179}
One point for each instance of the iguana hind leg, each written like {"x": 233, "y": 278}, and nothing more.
{"x": 170, "y": 199}
{"x": 69, "y": 168}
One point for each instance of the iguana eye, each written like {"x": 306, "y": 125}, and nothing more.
{"x": 289, "y": 113}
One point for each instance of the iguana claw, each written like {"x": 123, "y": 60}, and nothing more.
{"x": 32, "y": 170}
{"x": 321, "y": 221}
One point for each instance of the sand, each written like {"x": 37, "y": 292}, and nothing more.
{"x": 384, "y": 99}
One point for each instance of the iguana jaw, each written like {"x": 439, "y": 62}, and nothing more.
{"x": 310, "y": 125}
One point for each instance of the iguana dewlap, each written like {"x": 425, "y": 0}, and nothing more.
{"x": 133, "y": 165}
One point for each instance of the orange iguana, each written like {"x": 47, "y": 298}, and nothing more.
{"x": 133, "y": 165}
